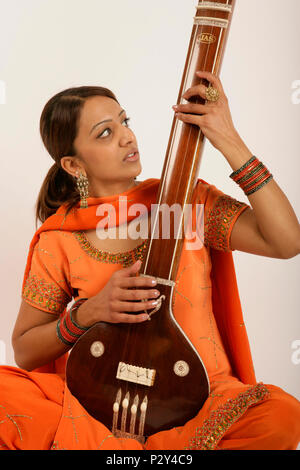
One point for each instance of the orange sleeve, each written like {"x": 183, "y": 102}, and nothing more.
{"x": 220, "y": 214}
{"x": 47, "y": 286}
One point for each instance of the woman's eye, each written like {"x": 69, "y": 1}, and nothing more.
{"x": 127, "y": 121}
{"x": 102, "y": 133}
{"x": 108, "y": 129}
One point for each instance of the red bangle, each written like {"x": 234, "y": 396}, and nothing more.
{"x": 246, "y": 171}
{"x": 252, "y": 176}
{"x": 247, "y": 184}
{"x": 68, "y": 331}
{"x": 260, "y": 185}
{"x": 251, "y": 188}
{"x": 252, "y": 163}
{"x": 240, "y": 180}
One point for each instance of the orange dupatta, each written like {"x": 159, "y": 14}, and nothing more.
{"x": 225, "y": 296}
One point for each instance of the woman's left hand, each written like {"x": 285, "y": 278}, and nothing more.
{"x": 214, "y": 118}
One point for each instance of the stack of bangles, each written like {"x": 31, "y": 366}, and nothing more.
{"x": 252, "y": 176}
{"x": 67, "y": 330}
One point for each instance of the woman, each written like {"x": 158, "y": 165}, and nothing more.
{"x": 96, "y": 158}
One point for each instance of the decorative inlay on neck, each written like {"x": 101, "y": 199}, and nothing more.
{"x": 214, "y": 6}
{"x": 210, "y": 21}
{"x": 125, "y": 258}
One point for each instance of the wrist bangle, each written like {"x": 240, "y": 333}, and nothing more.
{"x": 244, "y": 167}
{"x": 67, "y": 330}
{"x": 61, "y": 336}
{"x": 73, "y": 309}
{"x": 252, "y": 176}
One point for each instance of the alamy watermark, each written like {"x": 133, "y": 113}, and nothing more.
{"x": 2, "y": 352}
{"x": 296, "y": 353}
{"x": 2, "y": 92}
{"x": 164, "y": 222}
{"x": 296, "y": 93}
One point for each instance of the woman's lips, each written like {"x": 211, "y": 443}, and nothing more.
{"x": 134, "y": 158}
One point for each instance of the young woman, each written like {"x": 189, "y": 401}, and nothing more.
{"x": 86, "y": 132}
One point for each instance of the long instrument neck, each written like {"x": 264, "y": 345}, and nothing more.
{"x": 186, "y": 142}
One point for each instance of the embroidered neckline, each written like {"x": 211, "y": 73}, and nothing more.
{"x": 126, "y": 258}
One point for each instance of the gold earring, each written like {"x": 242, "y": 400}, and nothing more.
{"x": 82, "y": 184}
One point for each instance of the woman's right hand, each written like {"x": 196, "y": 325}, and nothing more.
{"x": 118, "y": 297}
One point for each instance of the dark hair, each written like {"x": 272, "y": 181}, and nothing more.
{"x": 58, "y": 128}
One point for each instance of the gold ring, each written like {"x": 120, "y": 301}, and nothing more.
{"x": 212, "y": 94}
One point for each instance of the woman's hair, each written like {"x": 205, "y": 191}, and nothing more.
{"x": 59, "y": 125}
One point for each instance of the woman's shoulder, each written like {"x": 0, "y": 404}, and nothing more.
{"x": 56, "y": 239}
{"x": 201, "y": 191}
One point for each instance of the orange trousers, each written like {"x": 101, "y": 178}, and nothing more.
{"x": 32, "y": 405}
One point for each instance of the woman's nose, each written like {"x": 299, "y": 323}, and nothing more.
{"x": 127, "y": 136}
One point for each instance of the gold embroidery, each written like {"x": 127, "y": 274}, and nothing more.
{"x": 107, "y": 437}
{"x": 212, "y": 397}
{"x": 80, "y": 278}
{"x": 207, "y": 290}
{"x": 218, "y": 222}
{"x": 43, "y": 251}
{"x": 55, "y": 446}
{"x": 213, "y": 429}
{"x": 72, "y": 418}
{"x": 125, "y": 258}
{"x": 76, "y": 259}
{"x": 216, "y": 344}
{"x": 45, "y": 294}
{"x": 65, "y": 215}
{"x": 205, "y": 275}
{"x": 210, "y": 314}
{"x": 62, "y": 233}
{"x": 10, "y": 417}
{"x": 176, "y": 291}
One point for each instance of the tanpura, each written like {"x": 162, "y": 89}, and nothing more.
{"x": 139, "y": 379}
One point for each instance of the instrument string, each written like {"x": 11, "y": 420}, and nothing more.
{"x": 187, "y": 83}
{"x": 132, "y": 330}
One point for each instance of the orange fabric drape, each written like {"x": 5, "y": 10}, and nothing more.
{"x": 226, "y": 302}
{"x": 37, "y": 410}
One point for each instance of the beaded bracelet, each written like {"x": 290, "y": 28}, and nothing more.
{"x": 68, "y": 331}
{"x": 252, "y": 176}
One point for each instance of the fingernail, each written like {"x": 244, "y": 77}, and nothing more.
{"x": 153, "y": 282}
{"x": 175, "y": 107}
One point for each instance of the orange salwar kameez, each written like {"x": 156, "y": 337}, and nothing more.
{"x": 37, "y": 411}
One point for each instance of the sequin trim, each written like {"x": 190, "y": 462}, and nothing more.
{"x": 56, "y": 446}
{"x": 218, "y": 222}
{"x": 209, "y": 435}
{"x": 125, "y": 258}
{"x": 45, "y": 295}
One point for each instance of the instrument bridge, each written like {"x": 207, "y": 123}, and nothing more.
{"x": 136, "y": 374}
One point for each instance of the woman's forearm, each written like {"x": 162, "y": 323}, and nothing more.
{"x": 38, "y": 346}
{"x": 41, "y": 345}
{"x": 274, "y": 214}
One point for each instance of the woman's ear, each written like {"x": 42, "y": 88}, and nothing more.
{"x": 72, "y": 166}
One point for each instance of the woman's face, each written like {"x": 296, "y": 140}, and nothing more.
{"x": 104, "y": 146}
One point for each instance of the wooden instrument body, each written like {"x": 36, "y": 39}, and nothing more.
{"x": 158, "y": 344}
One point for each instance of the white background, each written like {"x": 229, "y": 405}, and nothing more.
{"x": 138, "y": 49}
